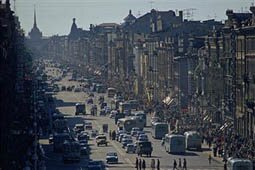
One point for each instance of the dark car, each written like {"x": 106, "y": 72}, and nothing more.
{"x": 95, "y": 165}
{"x": 111, "y": 157}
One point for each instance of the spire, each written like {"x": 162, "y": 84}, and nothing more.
{"x": 35, "y": 17}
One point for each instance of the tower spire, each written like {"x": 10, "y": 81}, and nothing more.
{"x": 35, "y": 25}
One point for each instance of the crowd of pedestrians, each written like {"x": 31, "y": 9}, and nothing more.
{"x": 140, "y": 164}
{"x": 227, "y": 144}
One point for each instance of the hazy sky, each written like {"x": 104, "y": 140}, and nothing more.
{"x": 55, "y": 16}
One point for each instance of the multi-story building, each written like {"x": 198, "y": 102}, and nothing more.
{"x": 16, "y": 105}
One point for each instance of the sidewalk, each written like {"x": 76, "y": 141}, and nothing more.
{"x": 207, "y": 152}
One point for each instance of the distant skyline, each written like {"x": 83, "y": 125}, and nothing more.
{"x": 55, "y": 16}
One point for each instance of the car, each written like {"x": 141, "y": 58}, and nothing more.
{"x": 78, "y": 128}
{"x": 107, "y": 110}
{"x": 130, "y": 148}
{"x": 143, "y": 138}
{"x": 101, "y": 140}
{"x": 112, "y": 157}
{"x": 121, "y": 136}
{"x": 83, "y": 141}
{"x": 83, "y": 136}
{"x": 84, "y": 150}
{"x": 88, "y": 125}
{"x": 50, "y": 138}
{"x": 95, "y": 165}
{"x": 138, "y": 134}
{"x": 134, "y": 131}
{"x": 125, "y": 142}
{"x": 94, "y": 133}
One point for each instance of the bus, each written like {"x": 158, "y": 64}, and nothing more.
{"x": 175, "y": 143}
{"x": 140, "y": 114}
{"x": 159, "y": 130}
{"x": 129, "y": 105}
{"x": 129, "y": 123}
{"x": 239, "y": 164}
{"x": 111, "y": 92}
{"x": 193, "y": 140}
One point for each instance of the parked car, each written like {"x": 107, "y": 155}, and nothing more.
{"x": 111, "y": 157}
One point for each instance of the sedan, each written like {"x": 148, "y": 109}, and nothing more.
{"x": 130, "y": 148}
{"x": 111, "y": 157}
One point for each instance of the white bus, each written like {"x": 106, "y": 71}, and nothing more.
{"x": 111, "y": 92}
{"x": 159, "y": 130}
{"x": 193, "y": 140}
{"x": 129, "y": 123}
{"x": 239, "y": 164}
{"x": 175, "y": 143}
{"x": 140, "y": 114}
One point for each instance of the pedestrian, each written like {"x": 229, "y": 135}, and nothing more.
{"x": 140, "y": 164}
{"x": 143, "y": 164}
{"x": 175, "y": 165}
{"x": 158, "y": 164}
{"x": 152, "y": 164}
{"x": 136, "y": 163}
{"x": 210, "y": 158}
{"x": 184, "y": 164}
{"x": 180, "y": 163}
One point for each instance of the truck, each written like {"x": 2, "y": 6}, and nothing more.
{"x": 71, "y": 151}
{"x": 144, "y": 147}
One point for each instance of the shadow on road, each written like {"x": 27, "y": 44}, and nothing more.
{"x": 185, "y": 154}
{"x": 62, "y": 103}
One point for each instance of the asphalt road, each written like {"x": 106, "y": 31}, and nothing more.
{"x": 65, "y": 102}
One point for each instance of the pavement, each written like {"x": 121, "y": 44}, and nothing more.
{"x": 207, "y": 151}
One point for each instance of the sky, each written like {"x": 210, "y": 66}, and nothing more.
{"x": 54, "y": 17}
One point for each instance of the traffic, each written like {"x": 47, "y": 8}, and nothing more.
{"x": 122, "y": 126}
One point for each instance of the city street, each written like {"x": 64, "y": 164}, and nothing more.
{"x": 65, "y": 102}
